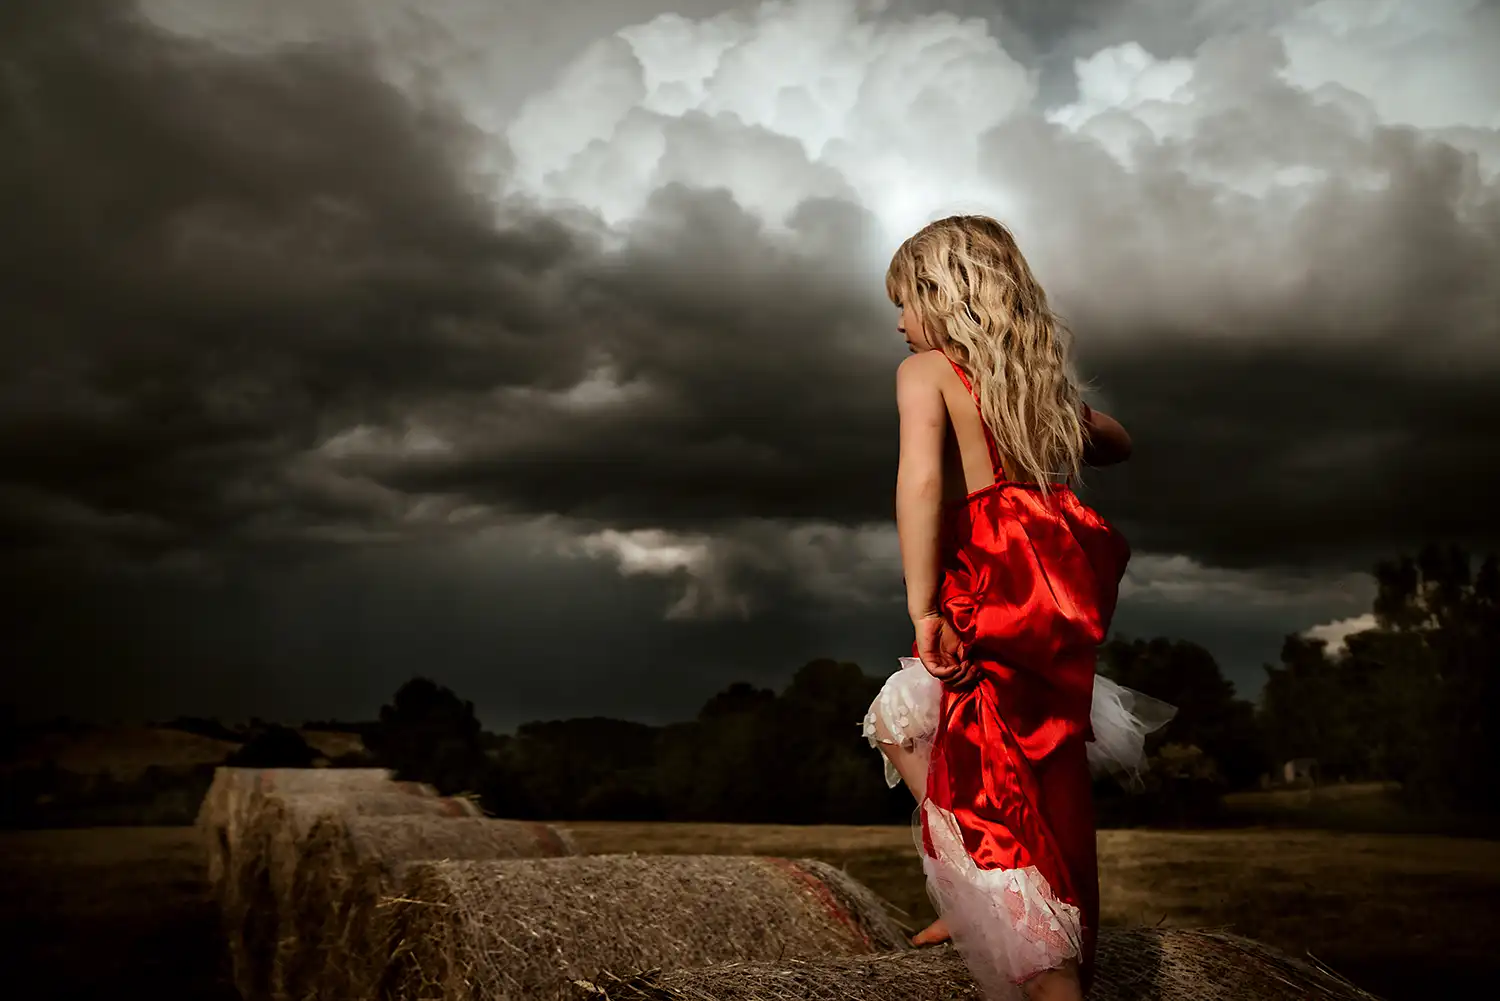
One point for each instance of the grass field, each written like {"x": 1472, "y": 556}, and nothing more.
{"x": 121, "y": 911}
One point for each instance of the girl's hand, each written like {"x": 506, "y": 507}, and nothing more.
{"x": 942, "y": 653}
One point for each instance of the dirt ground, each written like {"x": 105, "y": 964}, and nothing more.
{"x": 114, "y": 912}
{"x": 121, "y": 912}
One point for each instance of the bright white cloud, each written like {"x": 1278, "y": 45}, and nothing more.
{"x": 1337, "y": 633}
{"x": 708, "y": 591}
{"x": 787, "y": 101}
{"x": 1429, "y": 63}
{"x": 721, "y": 575}
{"x": 895, "y": 111}
{"x": 1172, "y": 193}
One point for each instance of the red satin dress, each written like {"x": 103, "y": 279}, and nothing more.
{"x": 1029, "y": 581}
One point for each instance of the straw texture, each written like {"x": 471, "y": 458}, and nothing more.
{"x": 525, "y": 929}
{"x": 226, "y": 805}
{"x": 263, "y": 863}
{"x": 1134, "y": 965}
{"x": 348, "y": 866}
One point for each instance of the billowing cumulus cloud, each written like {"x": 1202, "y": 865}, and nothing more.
{"x": 286, "y": 285}
{"x": 1336, "y": 633}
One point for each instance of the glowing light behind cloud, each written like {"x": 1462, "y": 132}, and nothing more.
{"x": 814, "y": 98}
{"x": 792, "y": 100}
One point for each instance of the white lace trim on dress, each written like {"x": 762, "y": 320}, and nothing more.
{"x": 1007, "y": 923}
{"x": 905, "y": 713}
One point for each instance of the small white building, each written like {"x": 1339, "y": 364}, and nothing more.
{"x": 1299, "y": 771}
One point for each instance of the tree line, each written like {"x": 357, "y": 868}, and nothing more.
{"x": 1412, "y": 700}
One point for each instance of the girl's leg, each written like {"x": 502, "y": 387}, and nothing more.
{"x": 912, "y": 767}
{"x": 906, "y": 710}
{"x": 1055, "y": 985}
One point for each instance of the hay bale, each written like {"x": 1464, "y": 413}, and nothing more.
{"x": 264, "y": 861}
{"x": 525, "y": 929}
{"x": 228, "y": 803}
{"x": 217, "y": 821}
{"x": 347, "y": 867}
{"x": 312, "y": 781}
{"x": 1139, "y": 964}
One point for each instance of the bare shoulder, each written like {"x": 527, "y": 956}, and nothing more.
{"x": 926, "y": 368}
{"x": 919, "y": 394}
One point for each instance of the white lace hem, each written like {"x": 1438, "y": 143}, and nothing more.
{"x": 1121, "y": 719}
{"x": 905, "y": 713}
{"x": 1007, "y": 923}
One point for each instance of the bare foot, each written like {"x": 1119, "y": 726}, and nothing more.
{"x": 932, "y": 934}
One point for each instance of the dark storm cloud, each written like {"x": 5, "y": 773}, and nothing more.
{"x": 218, "y": 262}
{"x": 1301, "y": 455}
{"x": 211, "y": 258}
{"x": 218, "y": 265}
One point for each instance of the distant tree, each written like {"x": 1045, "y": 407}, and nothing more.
{"x": 593, "y": 768}
{"x": 428, "y": 734}
{"x": 1416, "y": 698}
{"x": 273, "y": 747}
{"x": 716, "y": 768}
{"x": 737, "y": 699}
{"x": 1446, "y": 610}
{"x": 750, "y": 755}
{"x": 1209, "y": 716}
{"x": 816, "y": 763}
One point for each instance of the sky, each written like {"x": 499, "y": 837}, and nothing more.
{"x": 541, "y": 348}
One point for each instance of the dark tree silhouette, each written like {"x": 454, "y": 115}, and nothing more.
{"x": 1416, "y": 698}
{"x": 274, "y": 747}
{"x": 428, "y": 734}
{"x": 1209, "y": 715}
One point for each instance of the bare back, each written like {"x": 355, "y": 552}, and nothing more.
{"x": 966, "y": 456}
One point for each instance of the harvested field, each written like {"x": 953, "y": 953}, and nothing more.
{"x": 118, "y": 911}
{"x": 348, "y": 866}
{"x": 101, "y": 914}
{"x": 524, "y": 930}
{"x": 263, "y": 866}
{"x": 123, "y": 752}
{"x": 1134, "y": 965}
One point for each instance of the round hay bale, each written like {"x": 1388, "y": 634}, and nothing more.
{"x": 347, "y": 866}
{"x": 1138, "y": 964}
{"x": 228, "y": 804}
{"x": 525, "y": 929}
{"x": 215, "y": 822}
{"x": 264, "y": 863}
{"x": 309, "y": 781}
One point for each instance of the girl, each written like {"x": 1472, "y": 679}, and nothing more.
{"x": 1011, "y": 584}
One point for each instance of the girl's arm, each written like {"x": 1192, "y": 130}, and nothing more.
{"x": 1105, "y": 441}
{"x": 919, "y": 482}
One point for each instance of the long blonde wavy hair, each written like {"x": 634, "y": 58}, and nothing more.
{"x": 980, "y": 305}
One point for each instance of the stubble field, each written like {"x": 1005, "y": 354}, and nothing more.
{"x": 109, "y": 912}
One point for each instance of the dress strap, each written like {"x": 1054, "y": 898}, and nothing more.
{"x": 997, "y": 469}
